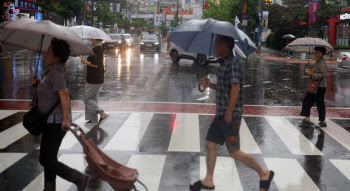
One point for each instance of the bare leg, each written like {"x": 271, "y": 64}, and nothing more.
{"x": 210, "y": 161}
{"x": 250, "y": 162}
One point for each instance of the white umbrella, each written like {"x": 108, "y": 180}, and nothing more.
{"x": 87, "y": 32}
{"x": 36, "y": 36}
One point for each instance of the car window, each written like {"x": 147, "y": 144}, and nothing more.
{"x": 150, "y": 37}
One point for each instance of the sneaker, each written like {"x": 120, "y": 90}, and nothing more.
{"x": 304, "y": 122}
{"x": 321, "y": 124}
{"x": 103, "y": 119}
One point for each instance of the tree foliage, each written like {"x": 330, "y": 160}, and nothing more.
{"x": 328, "y": 9}
{"x": 227, "y": 10}
{"x": 65, "y": 8}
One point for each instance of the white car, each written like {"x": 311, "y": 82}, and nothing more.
{"x": 129, "y": 40}
{"x": 177, "y": 53}
{"x": 343, "y": 60}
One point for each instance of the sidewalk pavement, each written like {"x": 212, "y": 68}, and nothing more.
{"x": 275, "y": 55}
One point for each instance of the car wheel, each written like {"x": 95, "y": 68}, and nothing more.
{"x": 174, "y": 56}
{"x": 202, "y": 60}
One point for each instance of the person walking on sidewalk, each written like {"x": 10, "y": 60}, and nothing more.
{"x": 94, "y": 81}
{"x": 227, "y": 121}
{"x": 317, "y": 89}
{"x": 52, "y": 89}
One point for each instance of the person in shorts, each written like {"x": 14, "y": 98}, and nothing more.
{"x": 227, "y": 121}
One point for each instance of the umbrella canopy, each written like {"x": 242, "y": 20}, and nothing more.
{"x": 288, "y": 36}
{"x": 36, "y": 36}
{"x": 308, "y": 45}
{"x": 198, "y": 36}
{"x": 87, "y": 32}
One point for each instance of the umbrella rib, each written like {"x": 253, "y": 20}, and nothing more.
{"x": 194, "y": 36}
{"x": 211, "y": 43}
{"x": 8, "y": 36}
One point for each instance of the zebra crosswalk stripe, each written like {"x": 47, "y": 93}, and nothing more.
{"x": 289, "y": 175}
{"x": 336, "y": 132}
{"x": 296, "y": 142}
{"x": 130, "y": 134}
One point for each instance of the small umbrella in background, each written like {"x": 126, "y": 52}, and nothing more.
{"x": 87, "y": 32}
{"x": 198, "y": 36}
{"x": 308, "y": 45}
{"x": 288, "y": 36}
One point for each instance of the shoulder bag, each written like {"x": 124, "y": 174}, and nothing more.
{"x": 34, "y": 121}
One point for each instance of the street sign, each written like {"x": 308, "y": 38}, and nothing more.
{"x": 245, "y": 17}
{"x": 260, "y": 16}
{"x": 38, "y": 16}
{"x": 206, "y": 6}
{"x": 245, "y": 30}
{"x": 244, "y": 22}
{"x": 314, "y": 1}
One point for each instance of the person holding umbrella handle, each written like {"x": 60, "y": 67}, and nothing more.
{"x": 94, "y": 81}
{"x": 226, "y": 124}
{"x": 317, "y": 89}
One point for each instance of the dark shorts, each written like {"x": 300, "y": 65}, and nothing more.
{"x": 220, "y": 132}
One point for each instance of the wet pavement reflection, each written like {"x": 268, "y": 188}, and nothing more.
{"x": 132, "y": 75}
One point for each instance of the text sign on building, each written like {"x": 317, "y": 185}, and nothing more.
{"x": 26, "y": 5}
{"x": 344, "y": 17}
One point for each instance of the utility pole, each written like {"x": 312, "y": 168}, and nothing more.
{"x": 84, "y": 13}
{"x": 92, "y": 13}
{"x": 177, "y": 12}
{"x": 260, "y": 21}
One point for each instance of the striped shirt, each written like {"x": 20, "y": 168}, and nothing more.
{"x": 53, "y": 80}
{"x": 230, "y": 72}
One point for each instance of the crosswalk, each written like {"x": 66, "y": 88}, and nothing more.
{"x": 168, "y": 153}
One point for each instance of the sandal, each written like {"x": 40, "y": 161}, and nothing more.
{"x": 197, "y": 186}
{"x": 103, "y": 119}
{"x": 90, "y": 123}
{"x": 265, "y": 184}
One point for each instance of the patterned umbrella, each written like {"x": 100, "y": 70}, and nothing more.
{"x": 308, "y": 45}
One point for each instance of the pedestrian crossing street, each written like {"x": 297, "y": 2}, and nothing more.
{"x": 169, "y": 152}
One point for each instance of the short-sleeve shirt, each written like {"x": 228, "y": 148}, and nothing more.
{"x": 96, "y": 75}
{"x": 53, "y": 80}
{"x": 230, "y": 72}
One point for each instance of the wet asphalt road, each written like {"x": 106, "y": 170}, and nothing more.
{"x": 151, "y": 76}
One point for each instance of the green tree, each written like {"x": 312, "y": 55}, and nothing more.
{"x": 66, "y": 8}
{"x": 69, "y": 8}
{"x": 227, "y": 10}
{"x": 328, "y": 9}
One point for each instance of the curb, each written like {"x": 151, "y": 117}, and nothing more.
{"x": 290, "y": 60}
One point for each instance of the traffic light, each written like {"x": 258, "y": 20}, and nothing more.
{"x": 268, "y": 1}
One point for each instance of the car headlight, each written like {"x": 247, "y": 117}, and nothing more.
{"x": 156, "y": 43}
{"x": 142, "y": 43}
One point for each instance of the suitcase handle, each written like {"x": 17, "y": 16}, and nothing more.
{"x": 75, "y": 132}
